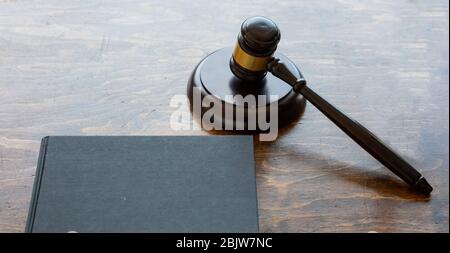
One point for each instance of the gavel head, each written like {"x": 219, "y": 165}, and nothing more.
{"x": 255, "y": 46}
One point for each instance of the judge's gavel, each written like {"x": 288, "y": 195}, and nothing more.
{"x": 253, "y": 57}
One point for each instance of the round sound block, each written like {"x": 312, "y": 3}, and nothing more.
{"x": 243, "y": 104}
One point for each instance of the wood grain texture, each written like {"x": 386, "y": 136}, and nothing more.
{"x": 111, "y": 67}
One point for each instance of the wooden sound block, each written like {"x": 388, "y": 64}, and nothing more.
{"x": 215, "y": 82}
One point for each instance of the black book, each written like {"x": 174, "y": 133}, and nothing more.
{"x": 145, "y": 184}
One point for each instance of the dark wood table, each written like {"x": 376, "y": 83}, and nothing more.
{"x": 111, "y": 68}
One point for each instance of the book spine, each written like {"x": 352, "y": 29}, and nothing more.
{"x": 37, "y": 185}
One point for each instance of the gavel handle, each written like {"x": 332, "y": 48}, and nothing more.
{"x": 356, "y": 131}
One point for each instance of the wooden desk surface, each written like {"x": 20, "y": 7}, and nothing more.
{"x": 110, "y": 68}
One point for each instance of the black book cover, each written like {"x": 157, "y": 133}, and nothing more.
{"x": 144, "y": 184}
